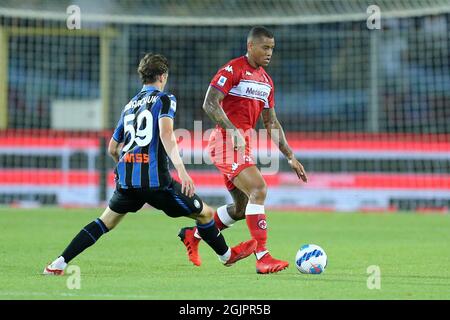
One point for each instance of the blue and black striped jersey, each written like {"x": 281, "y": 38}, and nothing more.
{"x": 143, "y": 160}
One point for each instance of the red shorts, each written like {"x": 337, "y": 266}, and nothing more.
{"x": 229, "y": 161}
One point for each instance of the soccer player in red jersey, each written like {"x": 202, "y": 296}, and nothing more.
{"x": 238, "y": 94}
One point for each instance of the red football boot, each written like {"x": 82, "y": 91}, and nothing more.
{"x": 187, "y": 237}
{"x": 267, "y": 264}
{"x": 241, "y": 251}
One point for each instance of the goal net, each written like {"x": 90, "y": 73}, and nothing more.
{"x": 362, "y": 89}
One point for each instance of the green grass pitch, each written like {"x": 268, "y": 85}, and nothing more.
{"x": 144, "y": 259}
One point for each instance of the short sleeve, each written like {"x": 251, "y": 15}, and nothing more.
{"x": 225, "y": 78}
{"x": 271, "y": 98}
{"x": 168, "y": 106}
{"x": 118, "y": 132}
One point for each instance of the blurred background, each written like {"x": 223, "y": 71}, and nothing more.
{"x": 367, "y": 111}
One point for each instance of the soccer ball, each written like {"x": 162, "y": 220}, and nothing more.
{"x": 311, "y": 259}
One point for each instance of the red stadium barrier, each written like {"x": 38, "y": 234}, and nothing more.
{"x": 215, "y": 179}
{"x": 366, "y": 191}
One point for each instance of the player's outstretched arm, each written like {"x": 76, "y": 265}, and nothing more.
{"x": 212, "y": 107}
{"x": 276, "y": 133}
{"x": 169, "y": 142}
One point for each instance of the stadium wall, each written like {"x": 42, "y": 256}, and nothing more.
{"x": 69, "y": 184}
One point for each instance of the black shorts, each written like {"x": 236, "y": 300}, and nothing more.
{"x": 170, "y": 200}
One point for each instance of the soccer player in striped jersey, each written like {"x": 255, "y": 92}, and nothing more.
{"x": 142, "y": 144}
{"x": 239, "y": 93}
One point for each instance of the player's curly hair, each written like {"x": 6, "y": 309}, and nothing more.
{"x": 151, "y": 66}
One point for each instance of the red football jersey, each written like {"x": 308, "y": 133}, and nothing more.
{"x": 247, "y": 92}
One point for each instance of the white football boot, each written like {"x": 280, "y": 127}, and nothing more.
{"x": 56, "y": 268}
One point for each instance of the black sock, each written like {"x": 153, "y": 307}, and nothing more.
{"x": 211, "y": 234}
{"x": 84, "y": 239}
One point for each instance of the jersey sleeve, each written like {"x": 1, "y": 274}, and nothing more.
{"x": 226, "y": 78}
{"x": 271, "y": 98}
{"x": 118, "y": 132}
{"x": 168, "y": 106}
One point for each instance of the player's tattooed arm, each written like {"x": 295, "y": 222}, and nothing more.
{"x": 276, "y": 133}
{"x": 212, "y": 107}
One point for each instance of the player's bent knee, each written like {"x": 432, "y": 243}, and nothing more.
{"x": 258, "y": 193}
{"x": 207, "y": 212}
{"x": 206, "y": 215}
{"x": 111, "y": 219}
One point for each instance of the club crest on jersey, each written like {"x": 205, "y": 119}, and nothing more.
{"x": 228, "y": 68}
{"x": 173, "y": 105}
{"x": 247, "y": 73}
{"x": 222, "y": 81}
{"x": 262, "y": 224}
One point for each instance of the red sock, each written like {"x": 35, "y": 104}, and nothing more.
{"x": 258, "y": 229}
{"x": 219, "y": 222}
